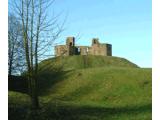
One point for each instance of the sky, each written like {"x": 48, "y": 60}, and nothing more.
{"x": 126, "y": 24}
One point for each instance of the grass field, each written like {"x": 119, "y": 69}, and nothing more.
{"x": 92, "y": 88}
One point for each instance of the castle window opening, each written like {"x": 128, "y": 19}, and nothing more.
{"x": 87, "y": 49}
{"x": 79, "y": 49}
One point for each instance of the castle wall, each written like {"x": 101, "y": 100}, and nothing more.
{"x": 83, "y": 50}
{"x": 61, "y": 50}
{"x": 99, "y": 49}
{"x": 96, "y": 48}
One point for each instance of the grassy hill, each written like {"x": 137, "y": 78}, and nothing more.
{"x": 90, "y": 61}
{"x": 103, "y": 88}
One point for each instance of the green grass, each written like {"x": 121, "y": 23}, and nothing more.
{"x": 80, "y": 62}
{"x": 98, "y": 92}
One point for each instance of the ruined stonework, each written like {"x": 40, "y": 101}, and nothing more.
{"x": 97, "y": 48}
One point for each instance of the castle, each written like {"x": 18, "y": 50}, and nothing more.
{"x": 97, "y": 48}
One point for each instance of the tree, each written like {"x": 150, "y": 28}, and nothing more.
{"x": 15, "y": 46}
{"x": 39, "y": 31}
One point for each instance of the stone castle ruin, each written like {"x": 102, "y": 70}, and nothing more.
{"x": 97, "y": 48}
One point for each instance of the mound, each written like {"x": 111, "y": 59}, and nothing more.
{"x": 116, "y": 86}
{"x": 80, "y": 62}
{"x": 89, "y": 94}
{"x": 110, "y": 88}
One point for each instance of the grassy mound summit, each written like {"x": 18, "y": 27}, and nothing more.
{"x": 90, "y": 61}
{"x": 89, "y": 88}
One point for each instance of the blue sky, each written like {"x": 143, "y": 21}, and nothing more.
{"x": 126, "y": 24}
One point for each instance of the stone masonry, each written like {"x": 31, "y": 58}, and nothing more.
{"x": 96, "y": 48}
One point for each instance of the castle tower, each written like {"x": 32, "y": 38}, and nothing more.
{"x": 95, "y": 41}
{"x": 109, "y": 50}
{"x": 70, "y": 43}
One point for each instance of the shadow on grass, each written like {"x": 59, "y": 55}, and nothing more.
{"x": 18, "y": 84}
{"x": 52, "y": 112}
{"x": 49, "y": 79}
{"x": 45, "y": 81}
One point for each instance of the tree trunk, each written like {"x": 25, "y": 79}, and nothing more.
{"x": 35, "y": 100}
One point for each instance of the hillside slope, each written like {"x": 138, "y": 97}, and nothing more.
{"x": 90, "y": 61}
{"x": 92, "y": 94}
{"x": 106, "y": 88}
{"x": 106, "y": 85}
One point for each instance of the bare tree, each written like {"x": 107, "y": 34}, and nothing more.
{"x": 39, "y": 31}
{"x": 15, "y": 46}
